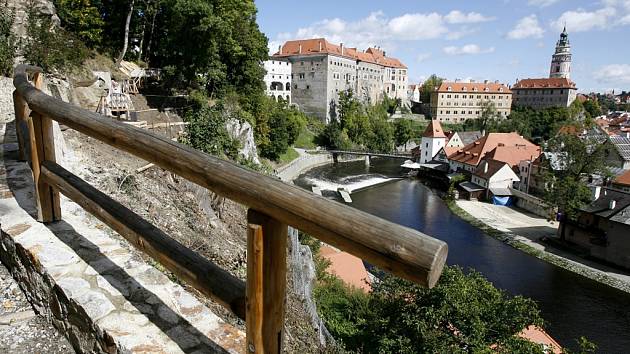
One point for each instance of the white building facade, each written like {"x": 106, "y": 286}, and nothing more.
{"x": 278, "y": 79}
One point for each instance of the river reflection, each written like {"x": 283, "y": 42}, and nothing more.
{"x": 572, "y": 305}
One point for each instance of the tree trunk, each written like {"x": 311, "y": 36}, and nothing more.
{"x": 126, "y": 40}
{"x": 147, "y": 56}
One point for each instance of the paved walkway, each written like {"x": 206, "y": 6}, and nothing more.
{"x": 528, "y": 228}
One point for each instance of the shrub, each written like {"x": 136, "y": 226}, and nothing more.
{"x": 7, "y": 42}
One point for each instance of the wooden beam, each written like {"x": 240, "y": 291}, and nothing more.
{"x": 187, "y": 265}
{"x": 48, "y": 205}
{"x": 21, "y": 126}
{"x": 394, "y": 248}
{"x": 254, "y": 317}
{"x": 274, "y": 278}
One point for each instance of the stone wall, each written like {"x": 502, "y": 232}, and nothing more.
{"x": 532, "y": 204}
{"x": 6, "y": 99}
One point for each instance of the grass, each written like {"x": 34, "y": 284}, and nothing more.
{"x": 558, "y": 261}
{"x": 288, "y": 156}
{"x": 306, "y": 139}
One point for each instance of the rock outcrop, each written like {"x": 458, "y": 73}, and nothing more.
{"x": 243, "y": 132}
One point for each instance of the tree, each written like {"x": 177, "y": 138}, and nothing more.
{"x": 593, "y": 108}
{"x": 206, "y": 131}
{"x": 382, "y": 137}
{"x": 126, "y": 37}
{"x": 7, "y": 42}
{"x": 81, "y": 17}
{"x": 428, "y": 87}
{"x": 488, "y": 118}
{"x": 463, "y": 313}
{"x": 402, "y": 132}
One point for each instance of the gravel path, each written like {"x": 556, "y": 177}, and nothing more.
{"x": 21, "y": 330}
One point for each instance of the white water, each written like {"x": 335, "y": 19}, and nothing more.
{"x": 350, "y": 183}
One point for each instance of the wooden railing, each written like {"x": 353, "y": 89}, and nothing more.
{"x": 273, "y": 205}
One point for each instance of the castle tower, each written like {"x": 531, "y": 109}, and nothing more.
{"x": 433, "y": 140}
{"x": 561, "y": 59}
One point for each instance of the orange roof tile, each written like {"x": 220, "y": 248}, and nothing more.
{"x": 492, "y": 87}
{"x": 434, "y": 130}
{"x": 513, "y": 155}
{"x": 472, "y": 153}
{"x": 556, "y": 82}
{"x": 537, "y": 335}
{"x": 347, "y": 267}
{"x": 322, "y": 46}
{"x": 450, "y": 150}
{"x": 624, "y": 178}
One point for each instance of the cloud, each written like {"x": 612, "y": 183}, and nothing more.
{"x": 378, "y": 29}
{"x": 581, "y": 20}
{"x": 613, "y": 73}
{"x": 468, "y": 49}
{"x": 457, "y": 17}
{"x": 525, "y": 28}
{"x": 542, "y": 3}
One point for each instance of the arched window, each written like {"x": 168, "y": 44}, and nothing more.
{"x": 288, "y": 85}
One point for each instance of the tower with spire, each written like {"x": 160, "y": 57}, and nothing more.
{"x": 561, "y": 59}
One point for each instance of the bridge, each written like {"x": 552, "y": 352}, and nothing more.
{"x": 367, "y": 154}
{"x": 126, "y": 321}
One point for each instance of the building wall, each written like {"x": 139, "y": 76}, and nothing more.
{"x": 503, "y": 178}
{"x": 395, "y": 81}
{"x": 457, "y": 166}
{"x": 543, "y": 98}
{"x": 455, "y": 141}
{"x": 613, "y": 158}
{"x": 309, "y": 84}
{"x": 278, "y": 79}
{"x": 369, "y": 83}
{"x": 430, "y": 147}
{"x": 456, "y": 107}
{"x": 616, "y": 245}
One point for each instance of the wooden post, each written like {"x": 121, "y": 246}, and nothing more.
{"x": 43, "y": 149}
{"x": 21, "y": 126}
{"x": 272, "y": 235}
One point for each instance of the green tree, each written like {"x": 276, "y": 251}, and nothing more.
{"x": 206, "y": 131}
{"x": 7, "y": 42}
{"x": 382, "y": 137}
{"x": 51, "y": 47}
{"x": 402, "y": 132}
{"x": 593, "y": 108}
{"x": 429, "y": 86}
{"x": 81, "y": 17}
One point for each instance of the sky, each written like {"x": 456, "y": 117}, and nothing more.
{"x": 501, "y": 40}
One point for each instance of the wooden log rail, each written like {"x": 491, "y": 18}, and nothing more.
{"x": 273, "y": 206}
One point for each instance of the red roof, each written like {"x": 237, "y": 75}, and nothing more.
{"x": 489, "y": 87}
{"x": 472, "y": 153}
{"x": 537, "y": 335}
{"x": 513, "y": 155}
{"x": 623, "y": 178}
{"x": 322, "y": 46}
{"x": 434, "y": 130}
{"x": 556, "y": 82}
{"x": 347, "y": 267}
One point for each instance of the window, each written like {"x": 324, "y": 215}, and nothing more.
{"x": 301, "y": 76}
{"x": 308, "y": 87}
{"x": 301, "y": 63}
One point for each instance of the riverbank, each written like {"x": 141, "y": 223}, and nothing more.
{"x": 531, "y": 246}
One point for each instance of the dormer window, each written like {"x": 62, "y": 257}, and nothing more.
{"x": 501, "y": 89}
{"x": 486, "y": 89}
{"x": 475, "y": 89}
{"x": 464, "y": 88}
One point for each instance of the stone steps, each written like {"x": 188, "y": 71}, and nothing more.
{"x": 92, "y": 285}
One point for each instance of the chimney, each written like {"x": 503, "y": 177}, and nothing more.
{"x": 496, "y": 81}
{"x": 320, "y": 46}
{"x": 485, "y": 167}
{"x": 300, "y": 49}
{"x": 341, "y": 46}
{"x": 596, "y": 192}
{"x": 472, "y": 81}
{"x": 280, "y": 49}
{"x": 612, "y": 204}
{"x": 384, "y": 53}
{"x": 458, "y": 80}
{"x": 485, "y": 81}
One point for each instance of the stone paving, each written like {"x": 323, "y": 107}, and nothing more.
{"x": 92, "y": 287}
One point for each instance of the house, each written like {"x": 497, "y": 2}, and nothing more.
{"x": 532, "y": 172}
{"x": 622, "y": 182}
{"x": 320, "y": 70}
{"x": 433, "y": 139}
{"x": 495, "y": 177}
{"x": 455, "y": 102}
{"x": 413, "y": 92}
{"x": 617, "y": 152}
{"x": 467, "y": 158}
{"x": 349, "y": 268}
{"x": 544, "y": 93}
{"x": 603, "y": 228}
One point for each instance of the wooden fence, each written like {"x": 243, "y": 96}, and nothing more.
{"x": 273, "y": 205}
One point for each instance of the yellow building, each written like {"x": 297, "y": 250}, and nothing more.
{"x": 455, "y": 102}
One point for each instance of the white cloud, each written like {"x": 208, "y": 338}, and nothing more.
{"x": 467, "y": 49}
{"x": 625, "y": 20}
{"x": 456, "y": 16}
{"x": 581, "y": 20}
{"x": 526, "y": 27}
{"x": 378, "y": 29}
{"x": 613, "y": 73}
{"x": 542, "y": 3}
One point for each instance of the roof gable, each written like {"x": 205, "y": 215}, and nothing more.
{"x": 474, "y": 152}
{"x": 434, "y": 130}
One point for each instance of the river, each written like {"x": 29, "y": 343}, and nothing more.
{"x": 571, "y": 305}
